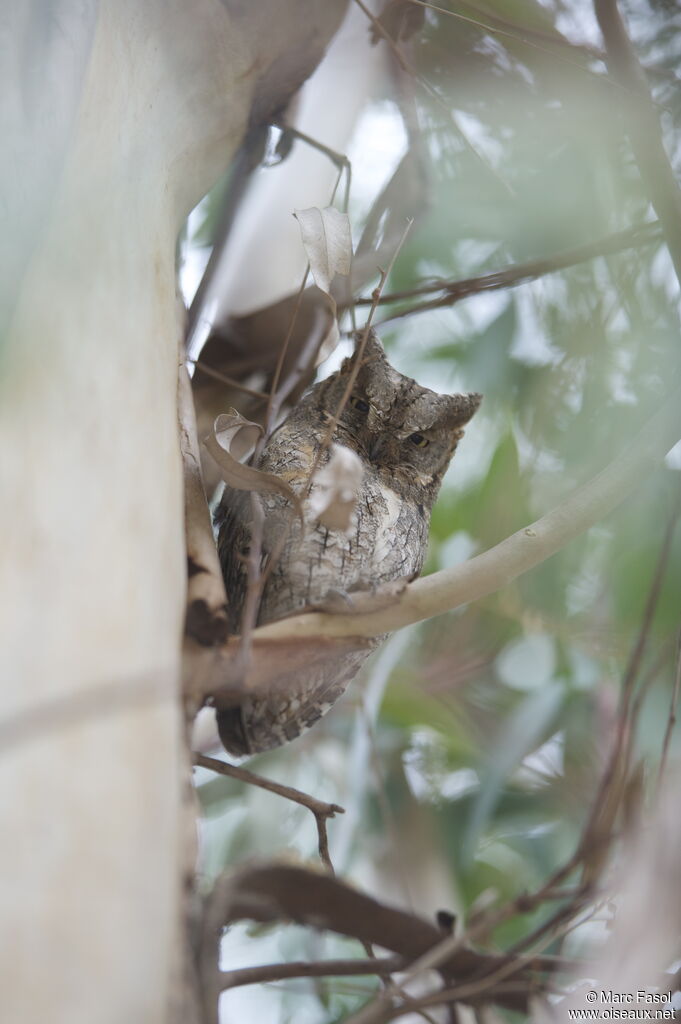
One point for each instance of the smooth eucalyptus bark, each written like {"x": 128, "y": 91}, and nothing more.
{"x": 153, "y": 101}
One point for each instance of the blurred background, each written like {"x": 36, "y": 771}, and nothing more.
{"x": 467, "y": 753}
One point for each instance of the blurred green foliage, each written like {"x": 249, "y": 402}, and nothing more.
{"x": 468, "y": 754}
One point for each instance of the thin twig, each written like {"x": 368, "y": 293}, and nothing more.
{"x": 358, "y": 356}
{"x": 520, "y": 273}
{"x": 381, "y": 966}
{"x": 671, "y": 720}
{"x": 405, "y": 66}
{"x": 666, "y": 650}
{"x": 229, "y": 381}
{"x": 321, "y": 810}
{"x": 636, "y": 657}
{"x": 606, "y": 805}
{"x": 340, "y": 160}
{"x": 563, "y": 914}
{"x": 275, "y": 400}
{"x": 510, "y": 31}
{"x": 486, "y": 984}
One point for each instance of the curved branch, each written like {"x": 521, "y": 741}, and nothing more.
{"x": 482, "y": 575}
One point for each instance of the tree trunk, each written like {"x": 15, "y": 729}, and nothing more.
{"x": 124, "y": 115}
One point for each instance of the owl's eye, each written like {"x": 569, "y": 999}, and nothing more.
{"x": 359, "y": 404}
{"x": 419, "y": 440}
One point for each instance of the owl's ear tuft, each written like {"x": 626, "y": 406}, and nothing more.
{"x": 373, "y": 351}
{"x": 462, "y": 408}
{"x": 373, "y": 347}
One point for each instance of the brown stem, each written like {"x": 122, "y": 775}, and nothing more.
{"x": 671, "y": 720}
{"x": 637, "y": 653}
{"x": 318, "y": 808}
{"x": 520, "y": 273}
{"x": 229, "y": 381}
{"x": 382, "y": 966}
{"x": 598, "y": 829}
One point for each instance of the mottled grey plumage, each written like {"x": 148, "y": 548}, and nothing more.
{"x": 405, "y": 436}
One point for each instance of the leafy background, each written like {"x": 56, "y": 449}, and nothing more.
{"x": 467, "y": 753}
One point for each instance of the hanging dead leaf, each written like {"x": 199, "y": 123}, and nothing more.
{"x": 335, "y": 490}
{"x": 328, "y": 243}
{"x": 236, "y": 434}
{"x": 233, "y": 472}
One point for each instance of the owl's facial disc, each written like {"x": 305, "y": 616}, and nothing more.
{"x": 405, "y": 431}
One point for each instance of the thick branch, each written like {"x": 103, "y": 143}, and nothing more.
{"x": 271, "y": 893}
{"x": 482, "y": 575}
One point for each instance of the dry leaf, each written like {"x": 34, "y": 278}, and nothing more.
{"x": 236, "y": 434}
{"x": 328, "y": 243}
{"x": 238, "y": 476}
{"x": 335, "y": 490}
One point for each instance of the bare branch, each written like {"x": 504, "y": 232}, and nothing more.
{"x": 319, "y": 809}
{"x": 519, "y": 273}
{"x": 318, "y": 969}
{"x": 223, "y": 378}
{"x": 279, "y": 892}
{"x": 671, "y": 721}
{"x": 482, "y": 575}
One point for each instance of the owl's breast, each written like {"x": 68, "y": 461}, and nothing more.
{"x": 387, "y": 541}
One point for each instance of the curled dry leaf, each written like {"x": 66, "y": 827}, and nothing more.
{"x": 335, "y": 490}
{"x": 237, "y": 435}
{"x": 328, "y": 244}
{"x": 233, "y": 434}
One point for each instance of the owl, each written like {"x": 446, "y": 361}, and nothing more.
{"x": 404, "y": 437}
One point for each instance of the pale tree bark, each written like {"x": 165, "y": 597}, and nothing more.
{"x": 117, "y": 117}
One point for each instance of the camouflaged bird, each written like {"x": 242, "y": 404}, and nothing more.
{"x": 404, "y": 436}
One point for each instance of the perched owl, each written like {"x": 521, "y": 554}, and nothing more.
{"x": 405, "y": 436}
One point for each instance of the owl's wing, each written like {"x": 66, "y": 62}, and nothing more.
{"x": 294, "y": 702}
